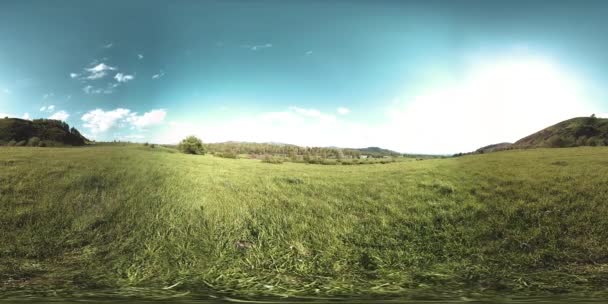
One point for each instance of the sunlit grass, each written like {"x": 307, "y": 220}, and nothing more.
{"x": 112, "y": 216}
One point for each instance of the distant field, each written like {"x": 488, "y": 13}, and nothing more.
{"x": 530, "y": 221}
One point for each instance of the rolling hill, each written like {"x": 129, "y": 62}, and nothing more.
{"x": 44, "y": 132}
{"x": 574, "y": 132}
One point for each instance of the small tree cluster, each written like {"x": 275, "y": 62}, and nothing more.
{"x": 192, "y": 145}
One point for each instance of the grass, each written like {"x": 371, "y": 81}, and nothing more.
{"x": 533, "y": 221}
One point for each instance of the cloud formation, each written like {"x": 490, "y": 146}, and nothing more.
{"x": 60, "y": 115}
{"x": 50, "y": 108}
{"x": 99, "y": 121}
{"x": 120, "y": 77}
{"x": 258, "y": 46}
{"x": 159, "y": 75}
{"x": 99, "y": 71}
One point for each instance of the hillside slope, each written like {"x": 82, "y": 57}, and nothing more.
{"x": 48, "y": 131}
{"x": 574, "y": 132}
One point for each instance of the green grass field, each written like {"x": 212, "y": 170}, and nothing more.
{"x": 530, "y": 221}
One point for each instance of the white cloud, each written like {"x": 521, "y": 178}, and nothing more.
{"x": 99, "y": 121}
{"x": 74, "y": 75}
{"x": 308, "y": 53}
{"x": 159, "y": 75}
{"x": 120, "y": 77}
{"x": 258, "y": 47}
{"x": 60, "y": 115}
{"x": 151, "y": 118}
{"x": 109, "y": 45}
{"x": 343, "y": 110}
{"x": 99, "y": 71}
{"x": 89, "y": 89}
{"x": 140, "y": 56}
{"x": 26, "y": 116}
{"x": 50, "y": 108}
{"x": 48, "y": 95}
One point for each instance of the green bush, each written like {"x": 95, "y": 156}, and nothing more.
{"x": 33, "y": 142}
{"x": 192, "y": 145}
{"x": 12, "y": 143}
{"x": 229, "y": 154}
{"x": 21, "y": 143}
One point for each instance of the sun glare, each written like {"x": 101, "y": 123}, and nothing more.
{"x": 498, "y": 100}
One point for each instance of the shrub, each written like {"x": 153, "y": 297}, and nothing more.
{"x": 41, "y": 144}
{"x": 272, "y": 159}
{"x": 21, "y": 143}
{"x": 153, "y": 146}
{"x": 192, "y": 145}
{"x": 146, "y": 144}
{"x": 230, "y": 154}
{"x": 12, "y": 143}
{"x": 33, "y": 142}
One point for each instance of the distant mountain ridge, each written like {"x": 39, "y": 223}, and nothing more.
{"x": 574, "y": 132}
{"x": 15, "y": 131}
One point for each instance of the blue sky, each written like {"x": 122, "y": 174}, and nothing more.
{"x": 414, "y": 76}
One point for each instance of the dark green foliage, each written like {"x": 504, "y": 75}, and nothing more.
{"x": 272, "y": 159}
{"x": 44, "y": 129}
{"x": 192, "y": 145}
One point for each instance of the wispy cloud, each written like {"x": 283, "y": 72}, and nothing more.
{"x": 258, "y": 47}
{"x": 60, "y": 115}
{"x": 159, "y": 75}
{"x": 74, "y": 75}
{"x": 108, "y": 45}
{"x": 6, "y": 91}
{"x": 140, "y": 56}
{"x": 120, "y": 77}
{"x": 308, "y": 53}
{"x": 50, "y": 108}
{"x": 109, "y": 89}
{"x": 48, "y": 95}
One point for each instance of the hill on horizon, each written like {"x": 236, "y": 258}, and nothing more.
{"x": 574, "y": 132}
{"x": 43, "y": 132}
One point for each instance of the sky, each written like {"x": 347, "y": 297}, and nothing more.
{"x": 434, "y": 77}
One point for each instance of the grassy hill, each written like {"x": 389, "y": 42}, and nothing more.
{"x": 43, "y": 132}
{"x": 575, "y": 132}
{"x": 522, "y": 221}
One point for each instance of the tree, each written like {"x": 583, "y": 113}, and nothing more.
{"x": 192, "y": 145}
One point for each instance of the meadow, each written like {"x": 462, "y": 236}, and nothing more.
{"x": 518, "y": 222}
